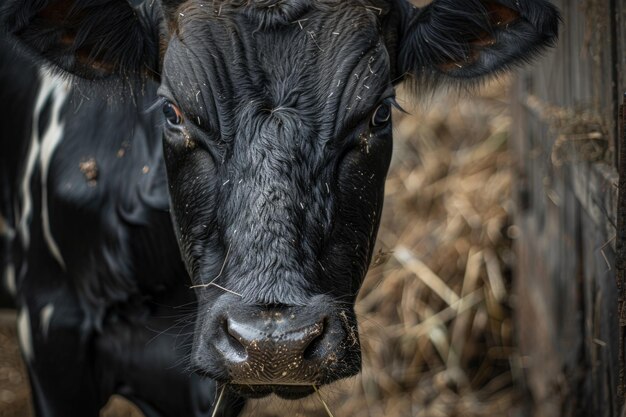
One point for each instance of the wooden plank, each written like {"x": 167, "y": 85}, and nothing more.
{"x": 619, "y": 58}
{"x": 599, "y": 362}
{"x": 565, "y": 139}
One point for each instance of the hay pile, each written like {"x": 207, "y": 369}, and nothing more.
{"x": 434, "y": 311}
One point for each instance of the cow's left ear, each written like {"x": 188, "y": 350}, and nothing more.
{"x": 92, "y": 39}
{"x": 469, "y": 39}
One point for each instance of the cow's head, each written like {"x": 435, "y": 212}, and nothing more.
{"x": 277, "y": 139}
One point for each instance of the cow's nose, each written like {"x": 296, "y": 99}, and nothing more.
{"x": 278, "y": 347}
{"x": 275, "y": 338}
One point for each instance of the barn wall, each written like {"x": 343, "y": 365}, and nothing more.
{"x": 566, "y": 142}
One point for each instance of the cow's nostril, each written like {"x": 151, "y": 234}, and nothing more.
{"x": 315, "y": 349}
{"x": 234, "y": 340}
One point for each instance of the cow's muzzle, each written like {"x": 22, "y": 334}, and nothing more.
{"x": 286, "y": 350}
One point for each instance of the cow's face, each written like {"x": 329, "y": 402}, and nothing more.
{"x": 277, "y": 143}
{"x": 277, "y": 140}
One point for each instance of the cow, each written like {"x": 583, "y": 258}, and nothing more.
{"x": 192, "y": 189}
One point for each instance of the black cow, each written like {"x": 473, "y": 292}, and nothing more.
{"x": 265, "y": 170}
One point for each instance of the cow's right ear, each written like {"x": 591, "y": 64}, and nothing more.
{"x": 92, "y": 39}
{"x": 458, "y": 41}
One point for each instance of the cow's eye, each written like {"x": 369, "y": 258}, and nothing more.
{"x": 172, "y": 114}
{"x": 381, "y": 116}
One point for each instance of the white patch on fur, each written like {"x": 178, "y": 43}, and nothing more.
{"x": 51, "y": 138}
{"x": 9, "y": 279}
{"x": 24, "y": 334}
{"x": 42, "y": 149}
{"x": 46, "y": 316}
{"x": 27, "y": 198}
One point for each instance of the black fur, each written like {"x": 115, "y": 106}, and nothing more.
{"x": 92, "y": 39}
{"x": 442, "y": 34}
{"x": 274, "y": 176}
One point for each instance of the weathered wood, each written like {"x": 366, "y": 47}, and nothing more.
{"x": 620, "y": 263}
{"x": 567, "y": 140}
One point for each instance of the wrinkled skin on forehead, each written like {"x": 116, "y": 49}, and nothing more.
{"x": 294, "y": 170}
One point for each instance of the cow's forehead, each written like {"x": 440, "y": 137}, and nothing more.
{"x": 330, "y": 58}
